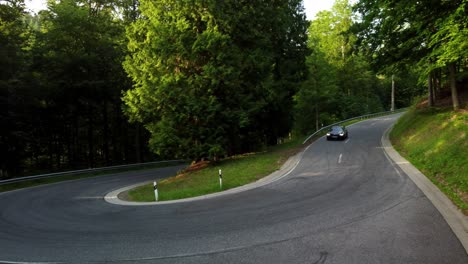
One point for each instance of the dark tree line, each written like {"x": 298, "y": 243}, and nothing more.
{"x": 61, "y": 85}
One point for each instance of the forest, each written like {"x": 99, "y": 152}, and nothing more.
{"x": 91, "y": 83}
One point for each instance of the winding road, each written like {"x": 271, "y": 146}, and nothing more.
{"x": 345, "y": 202}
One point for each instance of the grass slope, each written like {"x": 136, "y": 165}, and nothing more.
{"x": 435, "y": 141}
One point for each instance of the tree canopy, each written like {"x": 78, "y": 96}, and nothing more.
{"x": 215, "y": 78}
{"x": 431, "y": 34}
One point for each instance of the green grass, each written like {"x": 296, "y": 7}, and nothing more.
{"x": 237, "y": 171}
{"x": 32, "y": 183}
{"x": 435, "y": 141}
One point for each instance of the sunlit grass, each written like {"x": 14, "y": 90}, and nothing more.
{"x": 236, "y": 171}
{"x": 434, "y": 140}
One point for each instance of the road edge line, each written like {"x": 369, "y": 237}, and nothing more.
{"x": 457, "y": 221}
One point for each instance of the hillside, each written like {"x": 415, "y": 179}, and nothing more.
{"x": 435, "y": 141}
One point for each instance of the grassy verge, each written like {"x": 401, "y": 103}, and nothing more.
{"x": 435, "y": 141}
{"x": 32, "y": 183}
{"x": 237, "y": 171}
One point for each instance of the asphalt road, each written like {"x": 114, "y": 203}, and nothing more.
{"x": 344, "y": 203}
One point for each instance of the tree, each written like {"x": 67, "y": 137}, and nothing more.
{"x": 289, "y": 39}
{"x": 341, "y": 82}
{"x": 77, "y": 79}
{"x": 210, "y": 76}
{"x": 61, "y": 82}
{"x": 13, "y": 59}
{"x": 431, "y": 34}
{"x": 449, "y": 44}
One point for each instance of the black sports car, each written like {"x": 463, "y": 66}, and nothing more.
{"x": 337, "y": 132}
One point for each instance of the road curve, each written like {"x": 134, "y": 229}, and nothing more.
{"x": 343, "y": 203}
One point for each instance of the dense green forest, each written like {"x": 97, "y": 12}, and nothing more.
{"x": 89, "y": 83}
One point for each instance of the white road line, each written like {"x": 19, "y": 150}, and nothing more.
{"x": 339, "y": 159}
{"x": 346, "y": 141}
{"x": 89, "y": 197}
{"x": 17, "y": 262}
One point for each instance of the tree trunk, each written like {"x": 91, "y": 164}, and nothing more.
{"x": 106, "y": 133}
{"x": 431, "y": 93}
{"x": 453, "y": 86}
{"x": 436, "y": 82}
{"x": 58, "y": 152}
{"x": 137, "y": 144}
{"x": 90, "y": 138}
{"x": 316, "y": 117}
{"x": 392, "y": 108}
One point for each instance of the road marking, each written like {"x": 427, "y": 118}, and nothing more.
{"x": 346, "y": 141}
{"x": 339, "y": 159}
{"x": 89, "y": 197}
{"x": 16, "y": 262}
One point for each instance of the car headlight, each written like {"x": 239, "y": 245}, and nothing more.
{"x": 328, "y": 134}
{"x": 342, "y": 134}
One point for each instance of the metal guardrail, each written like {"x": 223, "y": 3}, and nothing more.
{"x": 66, "y": 173}
{"x": 354, "y": 118}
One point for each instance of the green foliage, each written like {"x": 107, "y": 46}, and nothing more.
{"x": 13, "y": 37}
{"x": 14, "y": 44}
{"x": 449, "y": 44}
{"x": 78, "y": 54}
{"x": 211, "y": 77}
{"x": 341, "y": 83}
{"x": 404, "y": 34}
{"x": 60, "y": 87}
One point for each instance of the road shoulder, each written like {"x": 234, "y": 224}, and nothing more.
{"x": 457, "y": 221}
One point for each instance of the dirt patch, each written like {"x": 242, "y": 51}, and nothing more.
{"x": 444, "y": 98}
{"x": 197, "y": 166}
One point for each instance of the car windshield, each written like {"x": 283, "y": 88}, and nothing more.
{"x": 336, "y": 129}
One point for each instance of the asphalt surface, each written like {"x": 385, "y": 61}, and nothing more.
{"x": 343, "y": 203}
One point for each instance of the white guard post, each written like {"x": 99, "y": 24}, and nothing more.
{"x": 220, "y": 179}
{"x": 155, "y": 186}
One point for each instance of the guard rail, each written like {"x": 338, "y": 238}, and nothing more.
{"x": 75, "y": 172}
